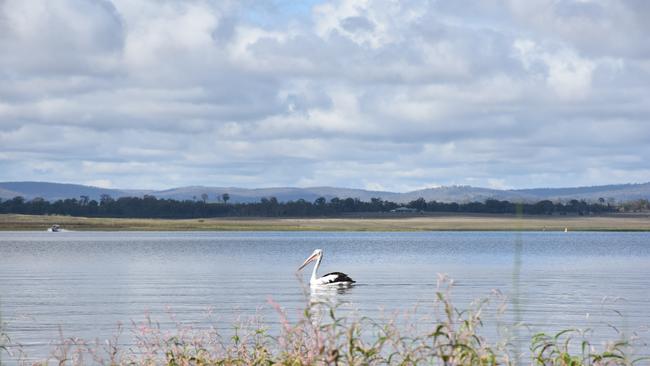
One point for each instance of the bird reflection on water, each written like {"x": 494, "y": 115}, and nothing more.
{"x": 329, "y": 294}
{"x": 327, "y": 300}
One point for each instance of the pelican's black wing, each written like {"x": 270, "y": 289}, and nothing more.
{"x": 338, "y": 277}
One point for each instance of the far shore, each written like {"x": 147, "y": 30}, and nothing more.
{"x": 376, "y": 222}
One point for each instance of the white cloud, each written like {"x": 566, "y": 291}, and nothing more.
{"x": 568, "y": 75}
{"x": 374, "y": 94}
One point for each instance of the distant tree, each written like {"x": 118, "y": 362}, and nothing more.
{"x": 204, "y": 197}
{"x": 225, "y": 197}
{"x": 151, "y": 207}
{"x": 349, "y": 204}
{"x": 636, "y": 205}
{"x": 544, "y": 207}
{"x": 83, "y": 200}
{"x": 105, "y": 199}
{"x": 611, "y": 201}
{"x": 418, "y": 204}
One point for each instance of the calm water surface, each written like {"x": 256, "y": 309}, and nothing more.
{"x": 84, "y": 283}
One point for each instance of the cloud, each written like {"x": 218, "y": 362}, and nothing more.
{"x": 568, "y": 75}
{"x": 370, "y": 94}
{"x": 52, "y": 38}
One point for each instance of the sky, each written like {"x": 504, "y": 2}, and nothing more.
{"x": 382, "y": 95}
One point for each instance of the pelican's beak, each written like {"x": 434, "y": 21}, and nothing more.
{"x": 309, "y": 260}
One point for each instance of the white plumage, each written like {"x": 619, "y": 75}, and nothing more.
{"x": 333, "y": 278}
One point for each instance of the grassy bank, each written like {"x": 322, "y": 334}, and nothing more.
{"x": 373, "y": 223}
{"x": 320, "y": 336}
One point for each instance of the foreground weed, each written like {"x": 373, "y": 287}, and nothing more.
{"x": 321, "y": 336}
{"x": 572, "y": 347}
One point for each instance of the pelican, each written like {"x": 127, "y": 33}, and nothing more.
{"x": 334, "y": 278}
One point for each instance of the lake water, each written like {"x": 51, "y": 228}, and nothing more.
{"x": 84, "y": 283}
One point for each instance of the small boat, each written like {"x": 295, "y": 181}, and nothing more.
{"x": 55, "y": 228}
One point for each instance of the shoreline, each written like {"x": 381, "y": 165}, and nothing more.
{"x": 431, "y": 222}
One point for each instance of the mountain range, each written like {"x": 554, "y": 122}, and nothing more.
{"x": 56, "y": 191}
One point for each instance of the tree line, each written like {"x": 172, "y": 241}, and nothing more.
{"x": 152, "y": 207}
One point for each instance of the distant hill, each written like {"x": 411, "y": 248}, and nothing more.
{"x": 254, "y": 195}
{"x": 620, "y": 192}
{"x": 55, "y": 191}
{"x": 463, "y": 194}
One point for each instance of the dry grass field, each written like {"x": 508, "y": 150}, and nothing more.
{"x": 381, "y": 223}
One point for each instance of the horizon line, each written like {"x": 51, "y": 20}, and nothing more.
{"x": 332, "y": 187}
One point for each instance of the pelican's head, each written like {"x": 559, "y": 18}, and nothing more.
{"x": 314, "y": 256}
